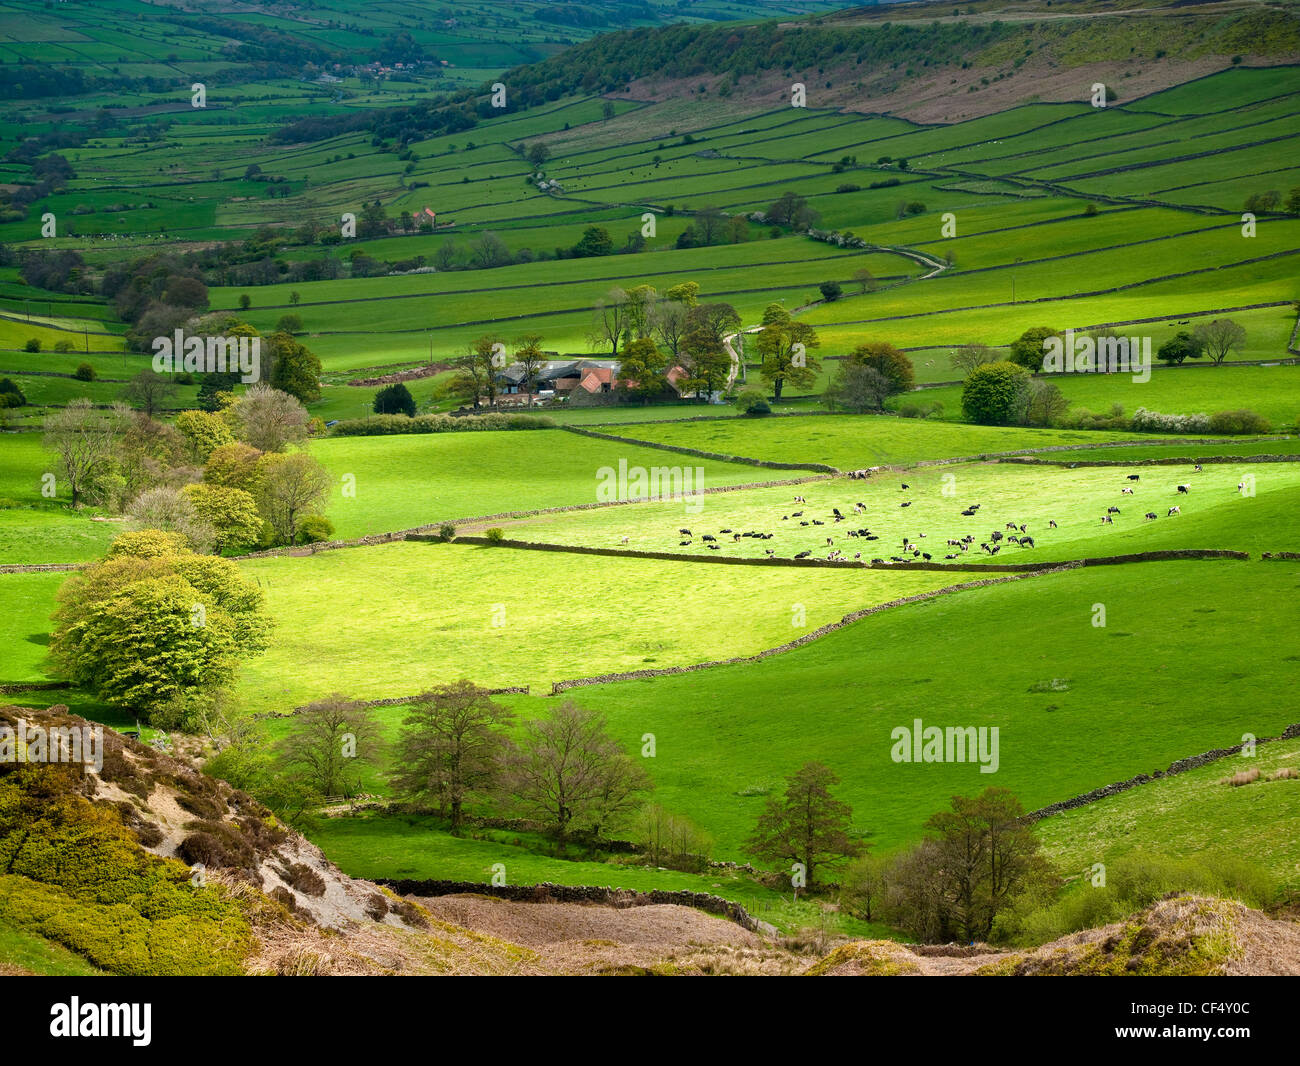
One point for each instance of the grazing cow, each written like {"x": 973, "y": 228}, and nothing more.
{"x": 968, "y": 513}
{"x": 1149, "y": 515}
{"x": 906, "y": 485}
{"x": 796, "y": 514}
{"x": 1022, "y": 526}
{"x": 950, "y": 557}
{"x": 623, "y": 540}
{"x": 995, "y": 536}
{"x": 829, "y": 541}
{"x": 836, "y": 512}
{"x": 769, "y": 552}
{"x": 1197, "y": 468}
{"x": 818, "y": 522}
{"x": 1011, "y": 526}
{"x": 925, "y": 556}
{"x": 908, "y": 503}
{"x": 1013, "y": 540}
{"x": 1051, "y": 523}
{"x": 735, "y": 536}
{"x": 1112, "y": 510}
{"x": 974, "y": 506}
{"x": 1135, "y": 477}
{"x": 724, "y": 531}
{"x": 804, "y": 522}
{"x": 877, "y": 560}
{"x": 1126, "y": 492}
{"x": 684, "y": 532}
{"x": 800, "y": 499}
{"x": 1174, "y": 511}
{"x": 708, "y": 537}
{"x": 1107, "y": 520}
{"x": 1240, "y": 486}
{"x": 683, "y": 543}
{"x": 1026, "y": 542}
{"x": 996, "y": 548}
{"x": 803, "y": 555}
{"x": 712, "y": 547}
{"x": 1184, "y": 489}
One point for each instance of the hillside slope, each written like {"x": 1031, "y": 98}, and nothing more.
{"x": 922, "y": 61}
{"x": 1184, "y": 936}
{"x": 150, "y": 867}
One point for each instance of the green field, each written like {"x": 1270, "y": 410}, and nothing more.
{"x": 509, "y": 618}
{"x": 1214, "y": 514}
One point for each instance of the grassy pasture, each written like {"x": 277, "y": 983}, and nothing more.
{"x": 25, "y": 625}
{"x": 1169, "y": 676}
{"x": 1192, "y": 814}
{"x": 560, "y": 616}
{"x": 849, "y": 442}
{"x": 406, "y": 481}
{"x": 1214, "y": 514}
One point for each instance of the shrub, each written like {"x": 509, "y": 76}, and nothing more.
{"x": 1145, "y": 421}
{"x": 1132, "y": 883}
{"x": 382, "y": 425}
{"x": 84, "y": 372}
{"x": 32, "y": 345}
{"x": 1242, "y": 420}
{"x": 994, "y": 394}
{"x": 395, "y": 399}
{"x": 315, "y": 528}
{"x": 63, "y": 346}
{"x": 447, "y": 532}
{"x": 751, "y": 401}
{"x": 830, "y": 291}
{"x": 10, "y": 394}
{"x": 495, "y": 535}
{"x": 304, "y": 879}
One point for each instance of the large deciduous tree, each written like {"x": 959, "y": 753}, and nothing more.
{"x": 569, "y": 772}
{"x": 268, "y": 419}
{"x": 452, "y": 747}
{"x": 290, "y": 487}
{"x": 331, "y": 741}
{"x": 157, "y": 629}
{"x": 783, "y": 347}
{"x": 994, "y": 394}
{"x": 805, "y": 824}
{"x": 1219, "y": 337}
{"x": 83, "y": 439}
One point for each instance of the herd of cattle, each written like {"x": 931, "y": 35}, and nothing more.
{"x": 1016, "y": 533}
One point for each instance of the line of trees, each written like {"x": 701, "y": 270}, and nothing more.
{"x": 224, "y": 481}
{"x": 462, "y": 754}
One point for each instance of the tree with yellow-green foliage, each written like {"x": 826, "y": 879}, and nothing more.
{"x": 157, "y": 628}
{"x": 203, "y": 431}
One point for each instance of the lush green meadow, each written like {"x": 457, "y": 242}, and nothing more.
{"x": 395, "y": 619}
{"x": 1215, "y": 514}
{"x": 400, "y": 482}
{"x": 851, "y": 442}
{"x": 1193, "y": 814}
{"x": 1186, "y": 662}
